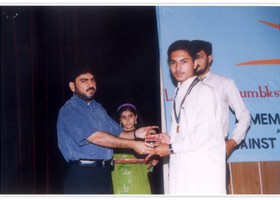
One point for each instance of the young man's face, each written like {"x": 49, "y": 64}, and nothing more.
{"x": 202, "y": 63}
{"x": 84, "y": 86}
{"x": 181, "y": 65}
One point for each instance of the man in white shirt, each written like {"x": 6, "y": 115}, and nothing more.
{"x": 196, "y": 145}
{"x": 228, "y": 92}
{"x": 229, "y": 96}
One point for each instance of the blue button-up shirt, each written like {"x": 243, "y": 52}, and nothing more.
{"x": 77, "y": 120}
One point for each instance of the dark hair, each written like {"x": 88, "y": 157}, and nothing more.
{"x": 184, "y": 45}
{"x": 199, "y": 45}
{"x": 130, "y": 107}
{"x": 78, "y": 69}
{"x": 126, "y": 106}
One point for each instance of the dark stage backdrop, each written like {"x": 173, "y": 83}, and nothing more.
{"x": 38, "y": 45}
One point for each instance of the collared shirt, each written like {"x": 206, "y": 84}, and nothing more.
{"x": 198, "y": 165}
{"x": 230, "y": 97}
{"x": 77, "y": 120}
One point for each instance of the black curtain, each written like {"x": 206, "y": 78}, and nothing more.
{"x": 38, "y": 45}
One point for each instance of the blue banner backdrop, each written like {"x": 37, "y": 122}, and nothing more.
{"x": 246, "y": 48}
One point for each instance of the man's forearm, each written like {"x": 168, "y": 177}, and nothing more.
{"x": 127, "y": 135}
{"x": 107, "y": 140}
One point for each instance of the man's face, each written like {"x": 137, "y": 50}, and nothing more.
{"x": 84, "y": 86}
{"x": 181, "y": 65}
{"x": 202, "y": 63}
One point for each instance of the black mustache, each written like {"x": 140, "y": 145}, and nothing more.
{"x": 92, "y": 88}
{"x": 196, "y": 67}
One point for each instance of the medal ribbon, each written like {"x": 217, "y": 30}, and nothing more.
{"x": 177, "y": 117}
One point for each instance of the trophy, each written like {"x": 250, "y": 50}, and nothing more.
{"x": 152, "y": 136}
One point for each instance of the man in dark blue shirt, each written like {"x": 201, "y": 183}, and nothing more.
{"x": 86, "y": 136}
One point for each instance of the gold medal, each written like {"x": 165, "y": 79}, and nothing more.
{"x": 178, "y": 128}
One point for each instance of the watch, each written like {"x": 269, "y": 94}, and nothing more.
{"x": 171, "y": 149}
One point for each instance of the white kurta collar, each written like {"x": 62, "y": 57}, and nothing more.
{"x": 208, "y": 76}
{"x": 186, "y": 83}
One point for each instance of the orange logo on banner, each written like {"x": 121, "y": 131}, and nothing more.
{"x": 264, "y": 62}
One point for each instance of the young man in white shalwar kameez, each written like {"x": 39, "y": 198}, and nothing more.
{"x": 196, "y": 144}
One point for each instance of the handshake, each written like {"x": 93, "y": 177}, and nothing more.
{"x": 159, "y": 146}
{"x": 158, "y": 142}
{"x": 155, "y": 143}
{"x": 156, "y": 138}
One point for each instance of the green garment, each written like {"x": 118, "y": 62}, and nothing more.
{"x": 130, "y": 178}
